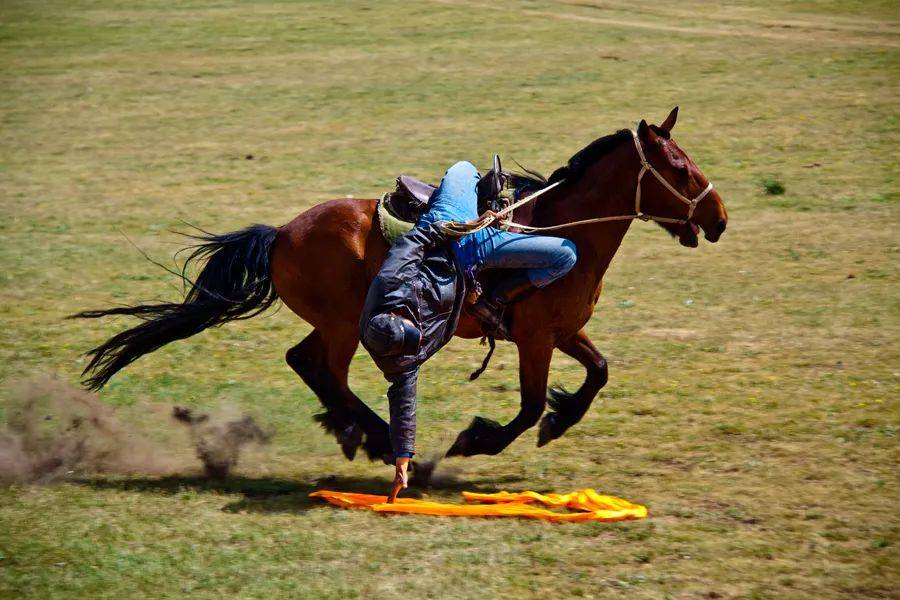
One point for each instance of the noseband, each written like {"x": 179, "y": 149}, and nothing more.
{"x": 646, "y": 166}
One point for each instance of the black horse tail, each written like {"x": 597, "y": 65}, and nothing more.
{"x": 234, "y": 284}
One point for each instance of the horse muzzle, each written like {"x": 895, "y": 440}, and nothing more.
{"x": 716, "y": 232}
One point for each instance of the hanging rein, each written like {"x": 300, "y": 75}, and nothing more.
{"x": 455, "y": 229}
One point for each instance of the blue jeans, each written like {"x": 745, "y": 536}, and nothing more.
{"x": 545, "y": 258}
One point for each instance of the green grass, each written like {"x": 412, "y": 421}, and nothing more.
{"x": 772, "y": 186}
{"x": 752, "y": 403}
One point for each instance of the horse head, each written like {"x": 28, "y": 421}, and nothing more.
{"x": 677, "y": 182}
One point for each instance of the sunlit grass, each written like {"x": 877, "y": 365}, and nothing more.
{"x": 753, "y": 383}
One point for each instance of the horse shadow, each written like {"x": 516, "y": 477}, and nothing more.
{"x": 272, "y": 495}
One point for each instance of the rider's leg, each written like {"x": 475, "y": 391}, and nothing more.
{"x": 539, "y": 260}
{"x": 455, "y": 199}
{"x": 545, "y": 258}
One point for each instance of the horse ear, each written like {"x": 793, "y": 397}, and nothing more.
{"x": 669, "y": 123}
{"x": 643, "y": 130}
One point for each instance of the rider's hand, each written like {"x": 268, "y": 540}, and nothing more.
{"x": 489, "y": 215}
{"x": 401, "y": 480}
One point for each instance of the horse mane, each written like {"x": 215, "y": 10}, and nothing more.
{"x": 529, "y": 180}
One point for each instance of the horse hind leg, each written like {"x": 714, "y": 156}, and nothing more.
{"x": 569, "y": 408}
{"x": 309, "y": 360}
{"x": 323, "y": 364}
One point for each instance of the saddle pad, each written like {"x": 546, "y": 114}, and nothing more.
{"x": 591, "y": 505}
{"x": 391, "y": 226}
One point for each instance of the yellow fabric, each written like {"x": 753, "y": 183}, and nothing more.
{"x": 592, "y": 506}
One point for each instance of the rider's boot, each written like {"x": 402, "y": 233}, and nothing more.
{"x": 490, "y": 306}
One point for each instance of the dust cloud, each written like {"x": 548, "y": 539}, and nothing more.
{"x": 54, "y": 431}
{"x": 218, "y": 442}
{"x": 425, "y": 474}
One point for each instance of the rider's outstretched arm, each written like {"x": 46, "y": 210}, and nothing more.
{"x": 402, "y": 402}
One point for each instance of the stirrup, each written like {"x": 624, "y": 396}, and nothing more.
{"x": 492, "y": 323}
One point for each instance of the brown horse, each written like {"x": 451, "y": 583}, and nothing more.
{"x": 320, "y": 265}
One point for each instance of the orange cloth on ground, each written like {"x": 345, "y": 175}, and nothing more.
{"x": 593, "y": 506}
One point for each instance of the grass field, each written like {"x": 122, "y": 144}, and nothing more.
{"x": 752, "y": 402}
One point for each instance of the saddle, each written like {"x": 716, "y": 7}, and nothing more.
{"x": 399, "y": 210}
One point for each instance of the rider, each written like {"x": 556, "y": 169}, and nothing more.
{"x": 539, "y": 260}
{"x": 414, "y": 302}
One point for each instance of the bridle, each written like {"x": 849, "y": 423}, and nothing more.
{"x": 646, "y": 166}
{"x": 460, "y": 229}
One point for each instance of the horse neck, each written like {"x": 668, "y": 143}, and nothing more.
{"x": 605, "y": 190}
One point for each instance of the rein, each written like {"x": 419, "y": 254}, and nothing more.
{"x": 460, "y": 229}
{"x": 454, "y": 228}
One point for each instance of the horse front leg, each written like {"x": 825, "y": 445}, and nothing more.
{"x": 484, "y": 436}
{"x": 570, "y": 408}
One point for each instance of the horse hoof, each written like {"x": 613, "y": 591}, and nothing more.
{"x": 479, "y": 438}
{"x": 548, "y": 430}
{"x": 460, "y": 446}
{"x": 350, "y": 440}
